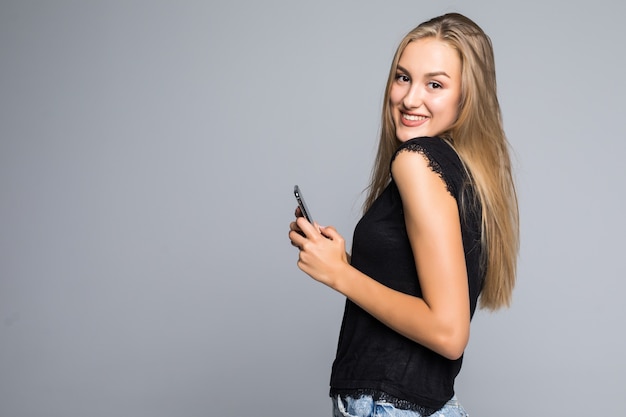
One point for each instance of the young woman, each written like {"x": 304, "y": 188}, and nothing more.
{"x": 440, "y": 230}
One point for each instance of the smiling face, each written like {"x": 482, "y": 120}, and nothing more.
{"x": 425, "y": 94}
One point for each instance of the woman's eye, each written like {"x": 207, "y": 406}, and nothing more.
{"x": 434, "y": 84}
{"x": 402, "y": 78}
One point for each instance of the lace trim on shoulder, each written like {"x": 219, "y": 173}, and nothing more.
{"x": 432, "y": 163}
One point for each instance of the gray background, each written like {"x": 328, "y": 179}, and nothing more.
{"x": 148, "y": 152}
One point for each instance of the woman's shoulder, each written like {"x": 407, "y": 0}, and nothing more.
{"x": 430, "y": 147}
{"x": 441, "y": 157}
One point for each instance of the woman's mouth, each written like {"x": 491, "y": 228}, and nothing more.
{"x": 413, "y": 120}
{"x": 413, "y": 117}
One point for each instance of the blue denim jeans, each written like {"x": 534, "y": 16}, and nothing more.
{"x": 367, "y": 407}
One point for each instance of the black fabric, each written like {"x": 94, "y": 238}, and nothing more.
{"x": 371, "y": 358}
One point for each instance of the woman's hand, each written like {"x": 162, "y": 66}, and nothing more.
{"x": 322, "y": 250}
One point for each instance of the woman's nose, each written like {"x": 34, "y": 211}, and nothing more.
{"x": 413, "y": 98}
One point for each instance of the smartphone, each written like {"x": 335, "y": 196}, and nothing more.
{"x": 303, "y": 208}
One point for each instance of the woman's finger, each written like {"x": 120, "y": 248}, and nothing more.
{"x": 329, "y": 232}
{"x": 297, "y": 238}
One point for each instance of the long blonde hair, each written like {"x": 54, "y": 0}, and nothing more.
{"x": 479, "y": 140}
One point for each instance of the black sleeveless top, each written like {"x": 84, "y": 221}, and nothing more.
{"x": 371, "y": 358}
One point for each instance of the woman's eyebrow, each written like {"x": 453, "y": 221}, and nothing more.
{"x": 427, "y": 75}
{"x": 437, "y": 73}
{"x": 401, "y": 68}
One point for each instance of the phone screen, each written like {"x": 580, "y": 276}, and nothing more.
{"x": 302, "y": 204}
